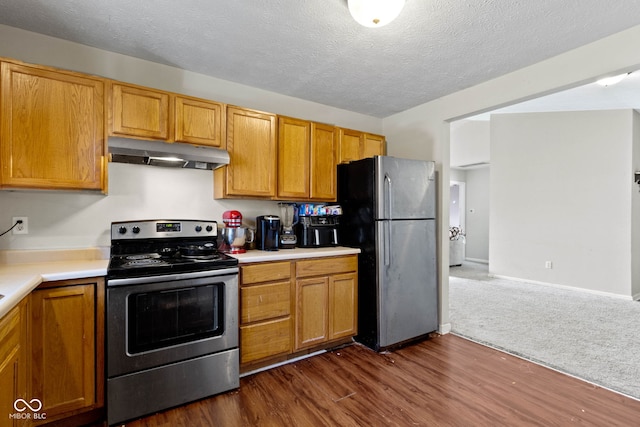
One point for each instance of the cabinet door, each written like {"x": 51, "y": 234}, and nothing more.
{"x": 198, "y": 121}
{"x": 63, "y": 353}
{"x": 140, "y": 112}
{"x": 350, "y": 142}
{"x": 251, "y": 143}
{"x": 323, "y": 163}
{"x": 294, "y": 136}
{"x": 312, "y": 310}
{"x": 343, "y": 305}
{"x": 373, "y": 145}
{"x": 13, "y": 368}
{"x": 52, "y": 132}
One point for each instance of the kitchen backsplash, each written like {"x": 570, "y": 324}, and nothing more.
{"x": 59, "y": 219}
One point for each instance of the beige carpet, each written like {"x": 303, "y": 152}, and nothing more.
{"x": 592, "y": 337}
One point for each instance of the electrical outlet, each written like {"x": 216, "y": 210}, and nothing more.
{"x": 548, "y": 264}
{"x": 22, "y": 228}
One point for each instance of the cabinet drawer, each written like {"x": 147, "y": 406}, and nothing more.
{"x": 265, "y": 339}
{"x": 267, "y": 272}
{"x": 265, "y": 302}
{"x": 324, "y": 266}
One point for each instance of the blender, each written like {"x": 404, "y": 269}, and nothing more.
{"x": 289, "y": 217}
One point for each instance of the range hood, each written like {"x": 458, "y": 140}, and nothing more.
{"x": 158, "y": 153}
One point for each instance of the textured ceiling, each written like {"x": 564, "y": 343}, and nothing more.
{"x": 314, "y": 50}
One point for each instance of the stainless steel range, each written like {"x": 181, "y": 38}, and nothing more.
{"x": 172, "y": 317}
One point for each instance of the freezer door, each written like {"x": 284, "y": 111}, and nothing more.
{"x": 405, "y": 189}
{"x": 407, "y": 280}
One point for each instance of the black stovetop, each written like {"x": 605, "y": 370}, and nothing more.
{"x": 156, "y": 257}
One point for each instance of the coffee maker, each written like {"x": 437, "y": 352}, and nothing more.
{"x": 267, "y": 232}
{"x": 289, "y": 218}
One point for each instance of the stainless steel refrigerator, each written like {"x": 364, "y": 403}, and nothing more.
{"x": 389, "y": 212}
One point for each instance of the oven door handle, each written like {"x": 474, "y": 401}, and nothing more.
{"x": 218, "y": 274}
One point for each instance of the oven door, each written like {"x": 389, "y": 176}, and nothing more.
{"x": 157, "y": 320}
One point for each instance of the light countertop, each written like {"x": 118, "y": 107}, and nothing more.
{"x": 22, "y": 271}
{"x": 297, "y": 253}
{"x": 18, "y": 280}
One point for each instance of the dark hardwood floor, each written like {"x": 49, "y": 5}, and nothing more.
{"x": 444, "y": 381}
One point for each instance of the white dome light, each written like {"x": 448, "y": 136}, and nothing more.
{"x": 375, "y": 13}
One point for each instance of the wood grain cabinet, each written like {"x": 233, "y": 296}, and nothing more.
{"x": 252, "y": 146}
{"x": 13, "y": 362}
{"x": 326, "y": 300}
{"x": 52, "y": 128}
{"x": 66, "y": 340}
{"x": 356, "y": 145}
{"x": 306, "y": 160}
{"x": 145, "y": 113}
{"x": 265, "y": 310}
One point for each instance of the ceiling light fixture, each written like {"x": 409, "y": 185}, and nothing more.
{"x": 608, "y": 81}
{"x": 375, "y": 13}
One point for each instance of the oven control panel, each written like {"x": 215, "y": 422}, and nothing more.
{"x": 153, "y": 229}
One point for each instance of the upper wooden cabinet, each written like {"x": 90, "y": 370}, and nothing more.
{"x": 356, "y": 145}
{"x": 144, "y": 113}
{"x": 324, "y": 160}
{"x": 52, "y": 129}
{"x": 294, "y": 140}
{"x": 199, "y": 122}
{"x": 140, "y": 112}
{"x": 252, "y": 147}
{"x": 306, "y": 160}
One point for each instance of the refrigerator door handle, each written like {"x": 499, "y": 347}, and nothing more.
{"x": 387, "y": 196}
{"x": 387, "y": 243}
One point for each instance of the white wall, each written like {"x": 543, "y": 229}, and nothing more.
{"x": 470, "y": 142}
{"x": 635, "y": 212}
{"x": 477, "y": 214}
{"x": 72, "y": 220}
{"x": 560, "y": 192}
{"x": 423, "y": 131}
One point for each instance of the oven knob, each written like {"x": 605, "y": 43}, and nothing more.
{"x": 209, "y": 228}
{"x": 198, "y": 228}
{"x": 135, "y": 229}
{"x": 122, "y": 230}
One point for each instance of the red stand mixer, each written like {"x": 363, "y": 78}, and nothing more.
{"x": 234, "y": 235}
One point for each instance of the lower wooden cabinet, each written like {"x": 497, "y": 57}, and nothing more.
{"x": 326, "y": 300}
{"x": 292, "y": 307}
{"x": 66, "y": 339}
{"x": 52, "y": 355}
{"x": 265, "y": 310}
{"x": 13, "y": 363}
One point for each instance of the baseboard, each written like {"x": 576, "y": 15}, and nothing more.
{"x": 564, "y": 287}
{"x": 444, "y": 328}
{"x": 478, "y": 260}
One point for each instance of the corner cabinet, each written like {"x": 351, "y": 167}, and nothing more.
{"x": 356, "y": 145}
{"x": 52, "y": 129}
{"x": 306, "y": 160}
{"x": 13, "y": 362}
{"x": 67, "y": 348}
{"x": 252, "y": 147}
